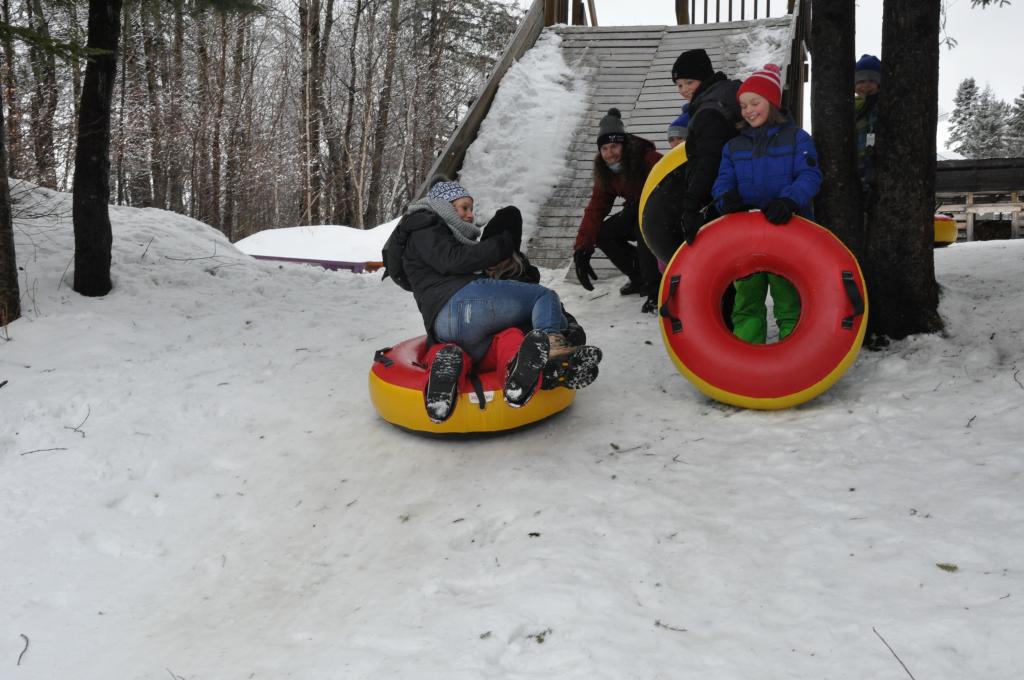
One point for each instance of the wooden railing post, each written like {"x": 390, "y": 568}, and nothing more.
{"x": 556, "y": 12}
{"x": 578, "y": 16}
{"x": 550, "y": 12}
{"x": 682, "y": 13}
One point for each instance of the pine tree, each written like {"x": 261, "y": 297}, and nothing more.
{"x": 1015, "y": 128}
{"x": 963, "y": 115}
{"x": 989, "y": 129}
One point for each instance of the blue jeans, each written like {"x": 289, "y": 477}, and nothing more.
{"x": 484, "y": 307}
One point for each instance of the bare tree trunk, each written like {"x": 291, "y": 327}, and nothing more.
{"x": 176, "y": 154}
{"x": 121, "y": 182}
{"x": 381, "y": 128}
{"x": 234, "y": 151}
{"x": 44, "y": 101}
{"x": 75, "y": 65}
{"x": 900, "y": 262}
{"x": 838, "y": 205}
{"x": 201, "y": 155}
{"x": 151, "y": 49}
{"x": 91, "y": 194}
{"x": 218, "y": 124}
{"x": 309, "y": 31}
{"x": 346, "y": 189}
{"x": 10, "y": 296}
{"x": 434, "y": 52}
{"x": 10, "y": 82}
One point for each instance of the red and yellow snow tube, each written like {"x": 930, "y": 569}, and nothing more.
{"x": 825, "y": 342}
{"x": 398, "y": 377}
{"x": 945, "y": 230}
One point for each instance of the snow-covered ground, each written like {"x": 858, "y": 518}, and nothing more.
{"x": 193, "y": 483}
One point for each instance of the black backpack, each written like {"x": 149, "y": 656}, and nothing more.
{"x": 391, "y": 256}
{"x": 394, "y": 248}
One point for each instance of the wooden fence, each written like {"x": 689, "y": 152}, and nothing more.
{"x": 969, "y": 190}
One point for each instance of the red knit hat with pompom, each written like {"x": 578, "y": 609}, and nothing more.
{"x": 766, "y": 83}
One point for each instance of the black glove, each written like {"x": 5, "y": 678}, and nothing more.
{"x": 731, "y": 202}
{"x": 692, "y": 222}
{"x": 506, "y": 220}
{"x": 506, "y": 244}
{"x": 780, "y": 210}
{"x": 584, "y": 272}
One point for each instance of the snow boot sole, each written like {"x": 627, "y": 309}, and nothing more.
{"x": 525, "y": 371}
{"x": 442, "y": 385}
{"x": 574, "y": 371}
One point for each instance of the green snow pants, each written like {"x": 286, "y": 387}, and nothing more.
{"x": 750, "y": 313}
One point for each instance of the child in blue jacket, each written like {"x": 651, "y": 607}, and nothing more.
{"x": 772, "y": 165}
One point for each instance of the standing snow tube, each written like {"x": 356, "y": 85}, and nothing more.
{"x": 398, "y": 378}
{"x": 822, "y": 346}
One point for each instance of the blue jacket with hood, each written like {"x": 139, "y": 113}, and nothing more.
{"x": 768, "y": 162}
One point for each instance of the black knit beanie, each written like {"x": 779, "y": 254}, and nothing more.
{"x": 611, "y": 128}
{"x": 692, "y": 65}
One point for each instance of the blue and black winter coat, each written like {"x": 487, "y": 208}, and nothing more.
{"x": 772, "y": 161}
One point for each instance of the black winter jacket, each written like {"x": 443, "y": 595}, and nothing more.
{"x": 714, "y": 120}
{"x": 437, "y": 265}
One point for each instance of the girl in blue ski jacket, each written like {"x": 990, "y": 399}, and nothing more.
{"x": 773, "y": 166}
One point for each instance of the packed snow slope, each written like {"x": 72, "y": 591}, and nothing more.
{"x": 193, "y": 483}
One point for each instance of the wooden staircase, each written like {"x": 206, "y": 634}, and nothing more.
{"x": 628, "y": 67}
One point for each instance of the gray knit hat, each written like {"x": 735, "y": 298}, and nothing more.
{"x": 447, "y": 190}
{"x": 611, "y": 128}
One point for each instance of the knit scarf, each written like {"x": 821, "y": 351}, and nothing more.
{"x": 466, "y": 233}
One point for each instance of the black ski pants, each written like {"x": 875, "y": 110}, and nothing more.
{"x": 615, "y": 239}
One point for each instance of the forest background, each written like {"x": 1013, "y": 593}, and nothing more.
{"x": 294, "y": 111}
{"x": 247, "y": 117}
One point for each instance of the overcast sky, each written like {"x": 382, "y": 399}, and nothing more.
{"x": 987, "y": 48}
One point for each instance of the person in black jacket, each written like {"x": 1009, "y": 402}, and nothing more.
{"x": 714, "y": 120}
{"x": 462, "y": 309}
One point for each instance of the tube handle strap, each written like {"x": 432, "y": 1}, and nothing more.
{"x": 850, "y": 285}
{"x": 673, "y": 286}
{"x": 478, "y": 387}
{"x": 379, "y": 357}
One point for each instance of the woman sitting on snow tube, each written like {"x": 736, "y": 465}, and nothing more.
{"x": 463, "y": 310}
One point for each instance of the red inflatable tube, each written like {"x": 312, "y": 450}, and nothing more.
{"x": 824, "y": 343}
{"x": 399, "y": 375}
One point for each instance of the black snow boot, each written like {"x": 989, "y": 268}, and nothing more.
{"x": 525, "y": 370}
{"x": 574, "y": 371}
{"x": 442, "y": 386}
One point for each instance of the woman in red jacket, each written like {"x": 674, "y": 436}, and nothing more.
{"x": 620, "y": 169}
